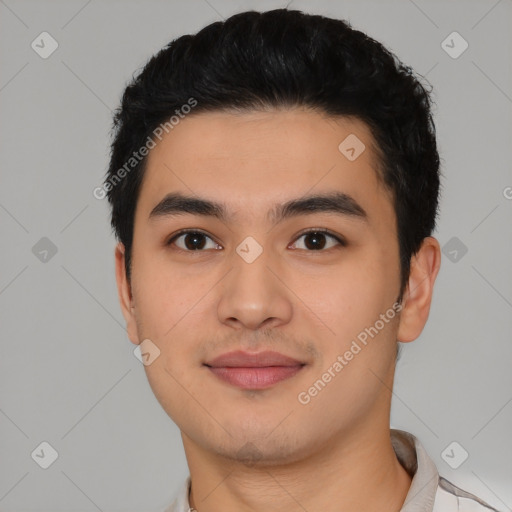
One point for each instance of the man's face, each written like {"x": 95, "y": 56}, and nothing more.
{"x": 255, "y": 284}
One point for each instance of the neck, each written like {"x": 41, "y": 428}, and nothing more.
{"x": 355, "y": 471}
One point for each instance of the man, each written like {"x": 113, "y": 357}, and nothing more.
{"x": 274, "y": 185}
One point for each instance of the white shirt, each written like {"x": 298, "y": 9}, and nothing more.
{"x": 429, "y": 492}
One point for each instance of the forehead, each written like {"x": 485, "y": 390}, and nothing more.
{"x": 255, "y": 160}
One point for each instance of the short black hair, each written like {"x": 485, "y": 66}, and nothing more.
{"x": 285, "y": 59}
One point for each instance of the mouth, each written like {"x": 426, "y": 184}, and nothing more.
{"x": 254, "y": 370}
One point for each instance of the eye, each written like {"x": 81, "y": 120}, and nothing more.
{"x": 315, "y": 240}
{"x": 192, "y": 240}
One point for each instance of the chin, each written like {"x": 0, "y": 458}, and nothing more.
{"x": 263, "y": 445}
{"x": 261, "y": 453}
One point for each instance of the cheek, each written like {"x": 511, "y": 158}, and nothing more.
{"x": 350, "y": 302}
{"x": 164, "y": 294}
{"x": 171, "y": 312}
{"x": 350, "y": 296}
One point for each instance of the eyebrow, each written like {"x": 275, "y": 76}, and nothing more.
{"x": 339, "y": 203}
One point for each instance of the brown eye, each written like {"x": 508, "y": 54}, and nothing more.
{"x": 318, "y": 240}
{"x": 192, "y": 241}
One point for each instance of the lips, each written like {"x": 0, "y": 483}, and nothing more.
{"x": 254, "y": 370}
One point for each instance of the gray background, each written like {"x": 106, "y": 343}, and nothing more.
{"x": 68, "y": 375}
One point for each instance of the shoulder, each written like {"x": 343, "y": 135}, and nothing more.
{"x": 180, "y": 503}
{"x": 450, "y": 498}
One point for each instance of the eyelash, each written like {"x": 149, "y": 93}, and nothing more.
{"x": 326, "y": 232}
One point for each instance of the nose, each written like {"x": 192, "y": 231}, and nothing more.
{"x": 254, "y": 296}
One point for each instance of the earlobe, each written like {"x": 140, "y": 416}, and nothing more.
{"x": 125, "y": 294}
{"x": 425, "y": 266}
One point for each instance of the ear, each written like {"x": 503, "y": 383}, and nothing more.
{"x": 425, "y": 266}
{"x": 125, "y": 294}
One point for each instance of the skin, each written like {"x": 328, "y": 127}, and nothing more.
{"x": 262, "y": 450}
